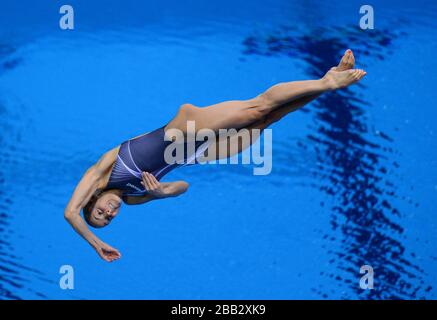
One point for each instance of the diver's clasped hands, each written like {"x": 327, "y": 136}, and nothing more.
{"x": 153, "y": 186}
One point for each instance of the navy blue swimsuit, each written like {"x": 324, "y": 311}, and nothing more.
{"x": 145, "y": 153}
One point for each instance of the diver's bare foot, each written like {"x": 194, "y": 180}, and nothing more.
{"x": 335, "y": 81}
{"x": 341, "y": 79}
{"x": 347, "y": 61}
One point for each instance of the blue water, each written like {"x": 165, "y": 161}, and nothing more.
{"x": 354, "y": 177}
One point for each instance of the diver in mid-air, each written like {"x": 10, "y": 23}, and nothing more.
{"x": 131, "y": 172}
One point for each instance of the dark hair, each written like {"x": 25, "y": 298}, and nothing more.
{"x": 90, "y": 206}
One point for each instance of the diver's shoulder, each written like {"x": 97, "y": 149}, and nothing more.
{"x": 107, "y": 160}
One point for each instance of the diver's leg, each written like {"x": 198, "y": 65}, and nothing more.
{"x": 235, "y": 143}
{"x": 230, "y": 145}
{"x": 241, "y": 113}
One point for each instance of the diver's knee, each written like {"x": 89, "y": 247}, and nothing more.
{"x": 186, "y": 108}
{"x": 187, "y": 112}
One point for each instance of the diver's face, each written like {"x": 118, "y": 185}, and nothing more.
{"x": 105, "y": 209}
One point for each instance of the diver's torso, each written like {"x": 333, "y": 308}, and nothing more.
{"x": 144, "y": 153}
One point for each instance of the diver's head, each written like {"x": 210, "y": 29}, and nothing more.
{"x": 102, "y": 208}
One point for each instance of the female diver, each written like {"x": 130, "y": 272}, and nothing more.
{"x": 130, "y": 172}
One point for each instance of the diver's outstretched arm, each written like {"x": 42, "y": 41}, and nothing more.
{"x": 105, "y": 251}
{"x": 89, "y": 183}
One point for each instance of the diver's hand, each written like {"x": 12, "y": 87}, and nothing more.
{"x": 106, "y": 252}
{"x": 152, "y": 185}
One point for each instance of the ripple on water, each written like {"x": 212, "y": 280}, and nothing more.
{"x": 352, "y": 165}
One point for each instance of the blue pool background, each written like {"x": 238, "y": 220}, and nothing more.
{"x": 354, "y": 177}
